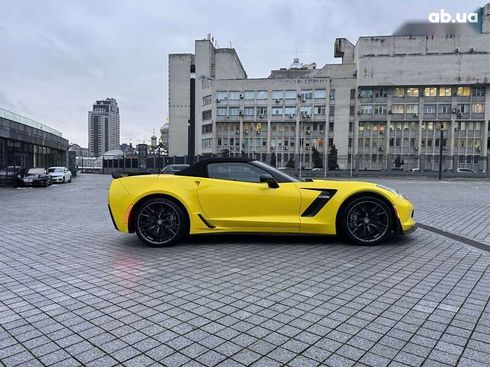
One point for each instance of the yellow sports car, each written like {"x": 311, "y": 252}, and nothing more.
{"x": 225, "y": 195}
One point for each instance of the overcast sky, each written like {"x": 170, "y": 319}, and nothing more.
{"x": 58, "y": 57}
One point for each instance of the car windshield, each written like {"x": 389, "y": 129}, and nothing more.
{"x": 55, "y": 169}
{"x": 277, "y": 172}
{"x": 36, "y": 171}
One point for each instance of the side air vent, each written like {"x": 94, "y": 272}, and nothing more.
{"x": 321, "y": 200}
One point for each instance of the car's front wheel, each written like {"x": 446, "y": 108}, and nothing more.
{"x": 367, "y": 221}
{"x": 160, "y": 222}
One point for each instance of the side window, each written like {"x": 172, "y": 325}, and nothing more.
{"x": 235, "y": 171}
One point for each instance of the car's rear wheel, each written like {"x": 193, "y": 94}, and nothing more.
{"x": 160, "y": 222}
{"x": 367, "y": 221}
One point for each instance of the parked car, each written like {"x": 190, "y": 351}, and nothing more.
{"x": 9, "y": 174}
{"x": 34, "y": 177}
{"x": 245, "y": 195}
{"x": 172, "y": 168}
{"x": 465, "y": 170}
{"x": 59, "y": 174}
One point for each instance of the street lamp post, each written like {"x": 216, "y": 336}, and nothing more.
{"x": 440, "y": 152}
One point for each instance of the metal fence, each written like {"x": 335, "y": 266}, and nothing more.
{"x": 342, "y": 166}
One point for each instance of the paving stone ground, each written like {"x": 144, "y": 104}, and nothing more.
{"x": 461, "y": 207}
{"x": 73, "y": 291}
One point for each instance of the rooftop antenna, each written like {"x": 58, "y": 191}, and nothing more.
{"x": 230, "y": 45}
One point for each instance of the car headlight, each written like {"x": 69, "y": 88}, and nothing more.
{"x": 390, "y": 189}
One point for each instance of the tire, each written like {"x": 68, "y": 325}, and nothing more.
{"x": 367, "y": 220}
{"x": 160, "y": 222}
{"x": 46, "y": 184}
{"x": 64, "y": 179}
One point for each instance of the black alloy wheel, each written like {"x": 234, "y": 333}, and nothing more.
{"x": 367, "y": 221}
{"x": 160, "y": 222}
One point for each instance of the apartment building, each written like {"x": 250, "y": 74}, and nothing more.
{"x": 383, "y": 106}
{"x": 103, "y": 127}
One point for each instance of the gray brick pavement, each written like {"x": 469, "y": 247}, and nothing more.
{"x": 74, "y": 291}
{"x": 457, "y": 206}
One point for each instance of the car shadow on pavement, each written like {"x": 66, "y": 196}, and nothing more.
{"x": 268, "y": 240}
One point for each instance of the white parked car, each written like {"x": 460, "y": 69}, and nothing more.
{"x": 59, "y": 174}
{"x": 465, "y": 170}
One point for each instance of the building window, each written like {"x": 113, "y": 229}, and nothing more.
{"x": 366, "y": 109}
{"x": 208, "y": 128}
{"x": 331, "y": 111}
{"x": 320, "y": 94}
{"x": 290, "y": 111}
{"x": 445, "y": 109}
{"x": 319, "y": 110}
{"x": 290, "y": 94}
{"x": 222, "y": 95}
{"x": 463, "y": 91}
{"x": 399, "y": 92}
{"x": 366, "y": 93}
{"x": 261, "y": 111}
{"x": 277, "y": 111}
{"x": 381, "y": 93}
{"x": 479, "y": 91}
{"x": 412, "y": 109}
{"x": 277, "y": 94}
{"x": 352, "y": 94}
{"x": 332, "y": 95}
{"x": 305, "y": 110}
{"x": 380, "y": 109}
{"x": 306, "y": 94}
{"x": 249, "y": 111}
{"x": 221, "y": 111}
{"x": 206, "y": 143}
{"x": 249, "y": 94}
{"x": 206, "y": 100}
{"x": 234, "y": 95}
{"x": 477, "y": 108}
{"x": 261, "y": 94}
{"x": 430, "y": 109}
{"x": 206, "y": 115}
{"x": 430, "y": 92}
{"x": 463, "y": 108}
{"x": 412, "y": 92}
{"x": 397, "y": 108}
{"x": 234, "y": 111}
{"x": 445, "y": 92}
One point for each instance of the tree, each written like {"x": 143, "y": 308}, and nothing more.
{"x": 399, "y": 162}
{"x": 317, "y": 160}
{"x": 332, "y": 159}
{"x": 290, "y": 163}
{"x": 273, "y": 159}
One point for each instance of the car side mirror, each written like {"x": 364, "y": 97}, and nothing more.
{"x": 271, "y": 181}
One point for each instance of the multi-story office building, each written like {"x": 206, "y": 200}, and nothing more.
{"x": 103, "y": 127}
{"x": 384, "y": 104}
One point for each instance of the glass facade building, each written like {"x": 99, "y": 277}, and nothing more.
{"x": 28, "y": 143}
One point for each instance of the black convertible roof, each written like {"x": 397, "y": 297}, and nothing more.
{"x": 199, "y": 169}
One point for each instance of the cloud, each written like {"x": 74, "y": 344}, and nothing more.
{"x": 58, "y": 57}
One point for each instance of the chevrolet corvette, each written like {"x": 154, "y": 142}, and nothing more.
{"x": 238, "y": 195}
